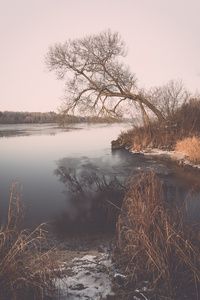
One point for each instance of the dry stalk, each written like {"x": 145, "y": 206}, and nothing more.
{"x": 26, "y": 272}
{"x": 154, "y": 244}
{"x": 190, "y": 146}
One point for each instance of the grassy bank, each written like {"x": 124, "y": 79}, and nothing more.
{"x": 181, "y": 132}
{"x": 26, "y": 272}
{"x": 157, "y": 250}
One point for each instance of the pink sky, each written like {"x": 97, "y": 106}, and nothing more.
{"x": 163, "y": 38}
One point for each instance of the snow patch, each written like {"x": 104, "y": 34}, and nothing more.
{"x": 178, "y": 156}
{"x": 91, "y": 279}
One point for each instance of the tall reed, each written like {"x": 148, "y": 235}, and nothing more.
{"x": 26, "y": 272}
{"x": 154, "y": 243}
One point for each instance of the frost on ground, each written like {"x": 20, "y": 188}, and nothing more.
{"x": 86, "y": 278}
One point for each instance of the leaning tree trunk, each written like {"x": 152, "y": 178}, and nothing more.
{"x": 152, "y": 108}
{"x": 145, "y": 116}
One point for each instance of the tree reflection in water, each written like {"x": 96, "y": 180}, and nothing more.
{"x": 94, "y": 189}
{"x": 93, "y": 199}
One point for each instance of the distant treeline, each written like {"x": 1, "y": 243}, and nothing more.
{"x": 11, "y": 117}
{"x": 63, "y": 119}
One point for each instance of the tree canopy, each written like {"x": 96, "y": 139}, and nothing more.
{"x": 97, "y": 81}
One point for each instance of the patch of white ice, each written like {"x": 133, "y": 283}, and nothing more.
{"x": 178, "y": 156}
{"x": 91, "y": 279}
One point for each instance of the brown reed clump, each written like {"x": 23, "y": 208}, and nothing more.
{"x": 154, "y": 245}
{"x": 190, "y": 146}
{"x": 26, "y": 272}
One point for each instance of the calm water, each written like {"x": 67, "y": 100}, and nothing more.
{"x": 65, "y": 171}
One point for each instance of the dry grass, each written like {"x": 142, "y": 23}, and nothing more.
{"x": 158, "y": 136}
{"x": 190, "y": 146}
{"x": 26, "y": 272}
{"x": 184, "y": 123}
{"x": 155, "y": 245}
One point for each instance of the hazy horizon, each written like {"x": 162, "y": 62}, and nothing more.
{"x": 162, "y": 38}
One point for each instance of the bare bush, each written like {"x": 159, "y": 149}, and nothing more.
{"x": 169, "y": 97}
{"x": 186, "y": 124}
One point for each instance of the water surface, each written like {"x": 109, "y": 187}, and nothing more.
{"x": 67, "y": 172}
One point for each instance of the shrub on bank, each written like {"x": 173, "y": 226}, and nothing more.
{"x": 154, "y": 244}
{"x": 184, "y": 123}
{"x": 26, "y": 272}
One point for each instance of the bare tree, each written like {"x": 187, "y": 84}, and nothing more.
{"x": 169, "y": 97}
{"x": 97, "y": 80}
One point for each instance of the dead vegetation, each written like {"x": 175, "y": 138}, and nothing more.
{"x": 26, "y": 272}
{"x": 184, "y": 123}
{"x": 190, "y": 146}
{"x": 155, "y": 246}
